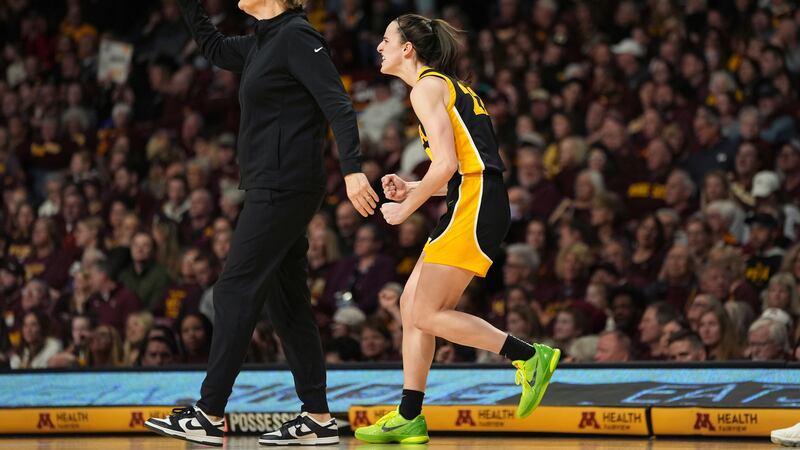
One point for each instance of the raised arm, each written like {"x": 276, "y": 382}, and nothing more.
{"x": 226, "y": 52}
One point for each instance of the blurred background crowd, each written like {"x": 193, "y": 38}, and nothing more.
{"x": 653, "y": 168}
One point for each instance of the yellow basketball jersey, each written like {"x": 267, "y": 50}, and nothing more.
{"x": 475, "y": 142}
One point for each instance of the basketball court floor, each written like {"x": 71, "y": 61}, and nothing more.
{"x": 438, "y": 442}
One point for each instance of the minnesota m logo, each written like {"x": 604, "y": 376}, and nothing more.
{"x": 464, "y": 418}
{"x": 588, "y": 419}
{"x": 703, "y": 421}
{"x": 137, "y": 419}
{"x": 361, "y": 419}
{"x": 45, "y": 421}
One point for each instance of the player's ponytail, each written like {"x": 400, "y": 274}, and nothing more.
{"x": 435, "y": 41}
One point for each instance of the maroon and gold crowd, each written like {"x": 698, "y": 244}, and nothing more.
{"x": 652, "y": 148}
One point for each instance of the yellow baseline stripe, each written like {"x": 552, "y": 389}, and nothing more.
{"x": 546, "y": 419}
{"x": 721, "y": 421}
{"x": 87, "y": 419}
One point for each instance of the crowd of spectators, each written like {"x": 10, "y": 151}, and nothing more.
{"x": 653, "y": 170}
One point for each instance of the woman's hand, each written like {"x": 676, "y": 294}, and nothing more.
{"x": 395, "y": 213}
{"x": 394, "y": 188}
{"x": 360, "y": 193}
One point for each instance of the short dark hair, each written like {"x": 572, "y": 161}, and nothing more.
{"x": 170, "y": 343}
{"x": 637, "y": 296}
{"x": 665, "y": 312}
{"x": 687, "y": 335}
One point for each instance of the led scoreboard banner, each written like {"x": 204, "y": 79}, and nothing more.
{"x": 633, "y": 399}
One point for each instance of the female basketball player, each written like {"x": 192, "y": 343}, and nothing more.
{"x": 457, "y": 135}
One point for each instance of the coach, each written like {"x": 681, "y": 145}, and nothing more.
{"x": 288, "y": 88}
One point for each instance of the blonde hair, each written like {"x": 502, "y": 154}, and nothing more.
{"x": 581, "y": 251}
{"x": 786, "y": 281}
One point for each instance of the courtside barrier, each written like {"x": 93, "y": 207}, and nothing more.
{"x": 635, "y": 399}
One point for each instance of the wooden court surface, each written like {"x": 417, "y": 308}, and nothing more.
{"x": 438, "y": 442}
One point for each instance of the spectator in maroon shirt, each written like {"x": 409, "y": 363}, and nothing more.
{"x": 12, "y": 275}
{"x": 648, "y": 253}
{"x": 46, "y": 154}
{"x": 111, "y": 303}
{"x": 73, "y": 209}
{"x": 183, "y": 295}
{"x": 588, "y": 184}
{"x": 679, "y": 193}
{"x": 18, "y": 244}
{"x": 196, "y": 229}
{"x": 126, "y": 187}
{"x": 530, "y": 175}
{"x": 789, "y": 166}
{"x": 519, "y": 200}
{"x": 606, "y": 216}
{"x": 676, "y": 282}
{"x": 618, "y": 253}
{"x": 47, "y": 261}
{"x": 624, "y": 163}
{"x": 360, "y": 277}
{"x": 347, "y": 222}
{"x": 646, "y": 194}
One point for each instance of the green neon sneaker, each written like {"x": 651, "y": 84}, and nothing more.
{"x": 539, "y": 370}
{"x": 395, "y": 428}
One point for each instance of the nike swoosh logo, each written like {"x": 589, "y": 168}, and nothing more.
{"x": 386, "y": 429}
{"x": 317, "y": 49}
{"x": 190, "y": 426}
{"x": 301, "y": 433}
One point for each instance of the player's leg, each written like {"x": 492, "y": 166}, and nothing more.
{"x": 406, "y": 424}
{"x": 438, "y": 292}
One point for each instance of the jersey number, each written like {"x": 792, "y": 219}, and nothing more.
{"x": 477, "y": 104}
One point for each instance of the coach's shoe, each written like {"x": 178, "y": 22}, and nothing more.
{"x": 303, "y": 430}
{"x": 395, "y": 428}
{"x": 788, "y": 437}
{"x": 190, "y": 424}
{"x": 538, "y": 369}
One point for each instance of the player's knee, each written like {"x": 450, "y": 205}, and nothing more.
{"x": 423, "y": 322}
{"x": 406, "y": 303}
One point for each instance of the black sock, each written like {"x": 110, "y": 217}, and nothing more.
{"x": 411, "y": 404}
{"x": 515, "y": 348}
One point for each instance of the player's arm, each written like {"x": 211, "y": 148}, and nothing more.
{"x": 413, "y": 185}
{"x": 429, "y": 99}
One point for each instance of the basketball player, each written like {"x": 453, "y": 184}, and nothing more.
{"x": 457, "y": 135}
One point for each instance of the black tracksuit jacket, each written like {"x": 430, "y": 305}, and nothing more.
{"x": 289, "y": 87}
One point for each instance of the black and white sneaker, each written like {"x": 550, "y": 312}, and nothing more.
{"x": 190, "y": 424}
{"x": 303, "y": 430}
